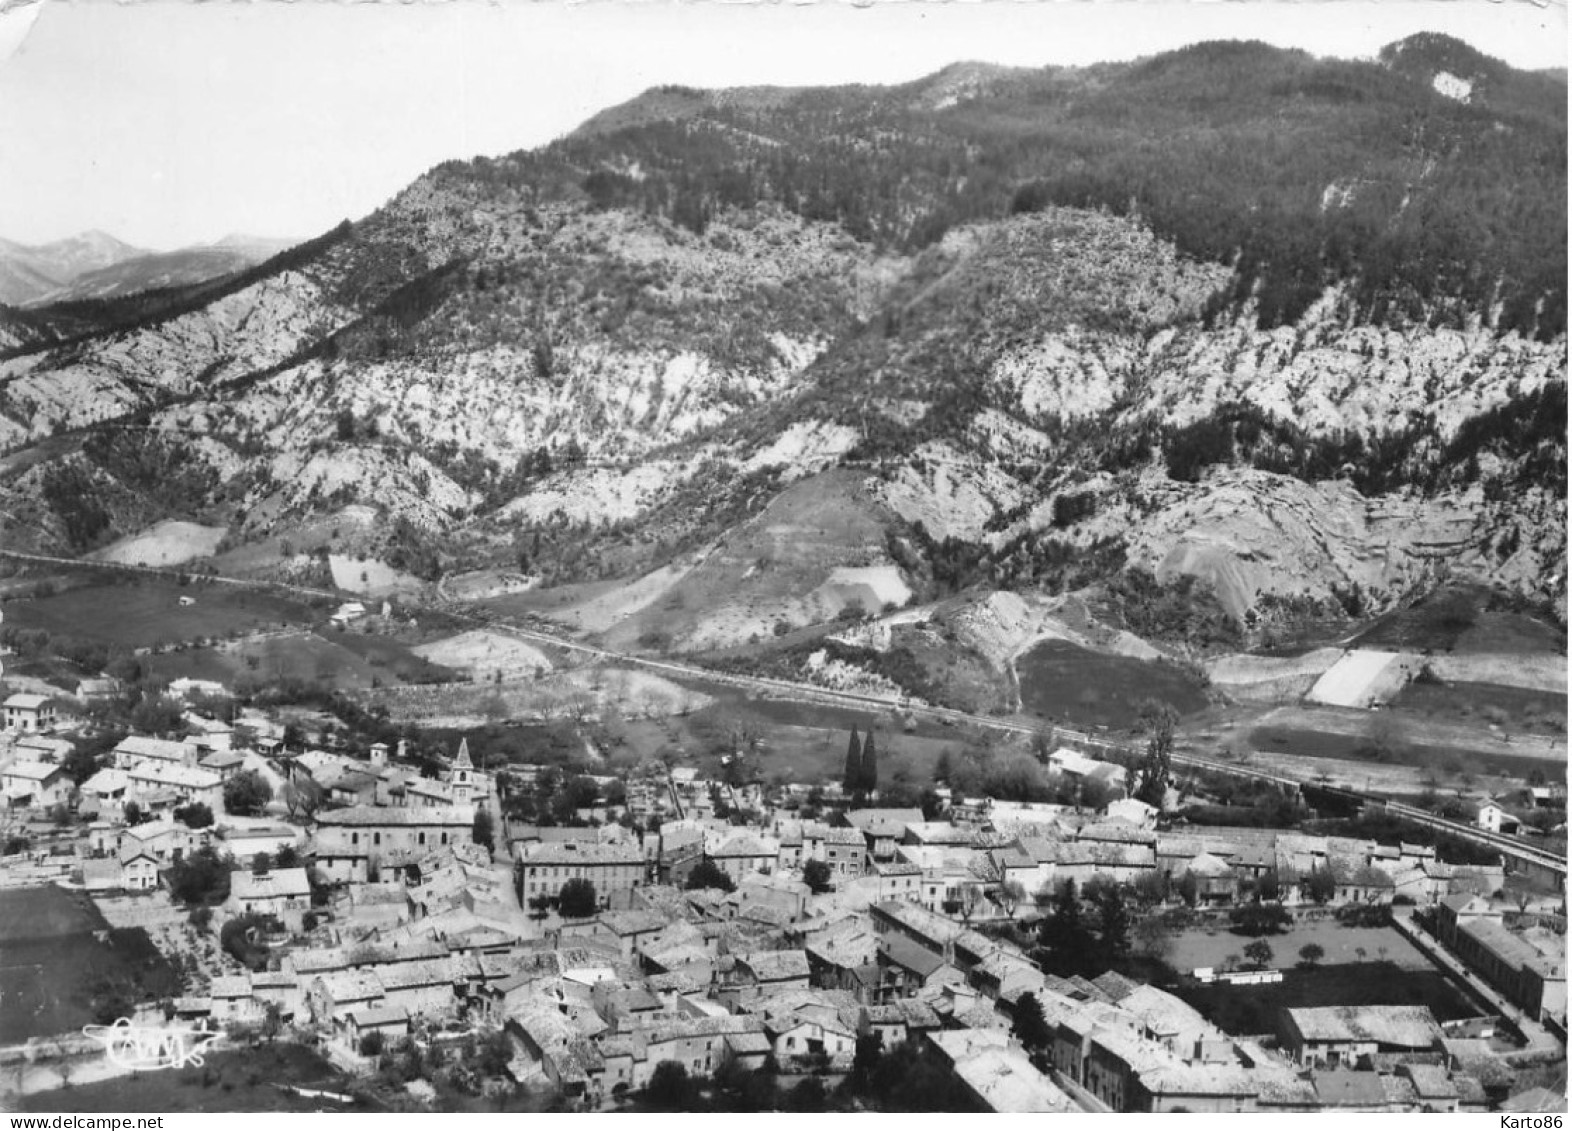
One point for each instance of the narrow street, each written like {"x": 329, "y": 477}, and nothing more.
{"x": 1541, "y": 1044}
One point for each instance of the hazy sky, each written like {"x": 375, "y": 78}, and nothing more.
{"x": 168, "y": 123}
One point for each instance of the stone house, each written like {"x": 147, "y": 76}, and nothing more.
{"x": 26, "y": 713}
{"x": 284, "y": 894}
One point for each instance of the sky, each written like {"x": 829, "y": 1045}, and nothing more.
{"x": 169, "y": 123}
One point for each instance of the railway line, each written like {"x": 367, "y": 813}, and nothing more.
{"x": 1514, "y": 848}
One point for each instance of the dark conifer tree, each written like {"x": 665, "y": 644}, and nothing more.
{"x": 851, "y": 780}
{"x": 1067, "y": 944}
{"x": 869, "y": 769}
{"x": 1031, "y": 1027}
{"x": 1113, "y": 920}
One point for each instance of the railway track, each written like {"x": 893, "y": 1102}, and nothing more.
{"x": 1513, "y": 847}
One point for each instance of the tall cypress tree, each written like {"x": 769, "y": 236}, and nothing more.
{"x": 851, "y": 780}
{"x": 870, "y": 765}
{"x": 1113, "y": 925}
{"x": 1068, "y": 945}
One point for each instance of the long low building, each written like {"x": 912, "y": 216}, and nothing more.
{"x": 1529, "y": 967}
{"x": 1340, "y": 1035}
{"x": 542, "y": 869}
{"x": 159, "y": 785}
{"x": 998, "y": 1072}
{"x": 351, "y": 843}
{"x": 137, "y": 749}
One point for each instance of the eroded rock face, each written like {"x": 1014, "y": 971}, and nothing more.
{"x": 1251, "y": 533}
{"x": 698, "y": 377}
{"x": 1321, "y": 376}
{"x": 1324, "y": 375}
{"x": 111, "y": 376}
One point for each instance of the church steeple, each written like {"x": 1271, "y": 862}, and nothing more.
{"x": 461, "y": 773}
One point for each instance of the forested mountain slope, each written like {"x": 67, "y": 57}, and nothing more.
{"x": 1285, "y": 334}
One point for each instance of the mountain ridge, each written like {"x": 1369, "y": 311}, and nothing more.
{"x": 24, "y": 268}
{"x": 95, "y": 265}
{"x": 633, "y": 358}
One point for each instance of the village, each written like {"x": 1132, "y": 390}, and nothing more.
{"x": 655, "y": 937}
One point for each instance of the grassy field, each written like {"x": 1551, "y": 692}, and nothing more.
{"x": 1441, "y": 758}
{"x": 388, "y": 656}
{"x": 543, "y": 602}
{"x": 1512, "y": 632}
{"x": 1454, "y": 620}
{"x": 792, "y": 713}
{"x": 1085, "y": 688}
{"x": 774, "y": 567}
{"x": 1243, "y": 1010}
{"x": 303, "y": 656}
{"x": 49, "y": 668}
{"x": 800, "y": 742}
{"x": 1210, "y": 947}
{"x": 146, "y": 611}
{"x": 580, "y": 693}
{"x": 239, "y": 1080}
{"x": 344, "y": 660}
{"x": 27, "y": 914}
{"x": 51, "y": 959}
{"x": 1512, "y": 708}
{"x": 816, "y": 754}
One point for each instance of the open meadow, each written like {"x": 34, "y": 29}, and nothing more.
{"x": 1086, "y": 688}
{"x": 1513, "y": 710}
{"x": 818, "y": 754}
{"x": 164, "y": 544}
{"x": 1404, "y": 738}
{"x": 57, "y": 952}
{"x": 1210, "y": 946}
{"x": 1358, "y": 966}
{"x": 146, "y": 611}
{"x": 581, "y": 694}
{"x": 1251, "y": 1010}
{"x": 345, "y": 661}
{"x": 807, "y": 741}
{"x": 799, "y": 742}
{"x": 1452, "y": 622}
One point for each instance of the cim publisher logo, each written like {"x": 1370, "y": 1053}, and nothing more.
{"x": 139, "y": 1047}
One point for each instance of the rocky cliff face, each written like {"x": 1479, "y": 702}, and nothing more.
{"x": 1324, "y": 374}
{"x": 109, "y": 377}
{"x": 630, "y": 355}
